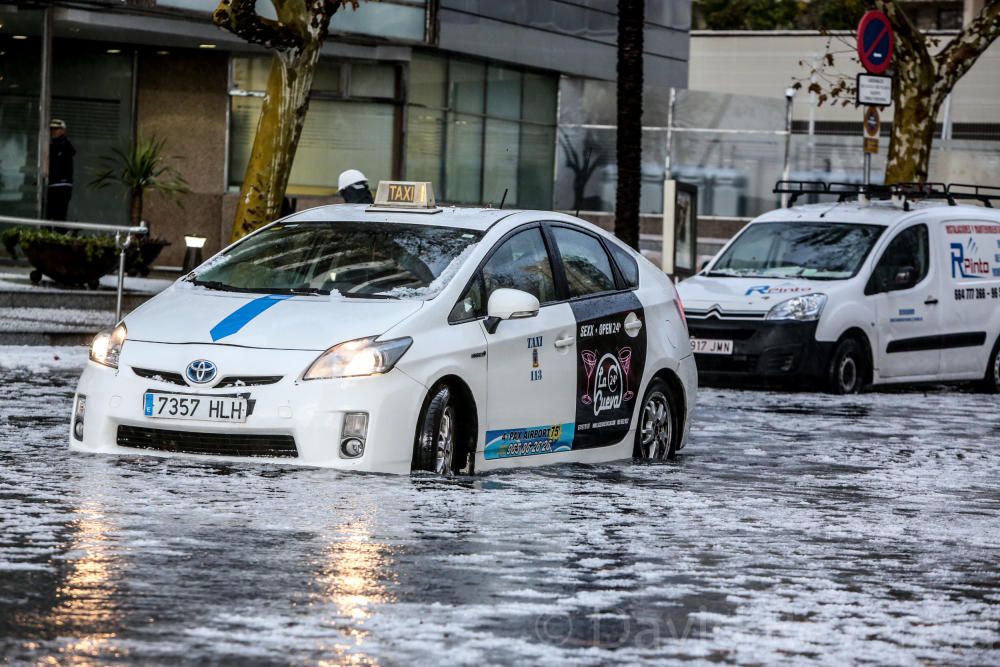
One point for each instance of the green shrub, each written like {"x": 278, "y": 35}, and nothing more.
{"x": 93, "y": 246}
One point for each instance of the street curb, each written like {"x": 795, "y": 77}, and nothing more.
{"x": 47, "y": 339}
{"x": 73, "y": 300}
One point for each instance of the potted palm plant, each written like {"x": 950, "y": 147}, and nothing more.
{"x": 142, "y": 168}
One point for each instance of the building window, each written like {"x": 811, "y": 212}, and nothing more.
{"x": 386, "y": 19}
{"x": 351, "y": 123}
{"x": 478, "y": 130}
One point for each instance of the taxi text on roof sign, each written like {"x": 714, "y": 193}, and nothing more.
{"x": 405, "y": 194}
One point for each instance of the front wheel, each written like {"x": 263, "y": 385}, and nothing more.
{"x": 434, "y": 450}
{"x": 848, "y": 368}
{"x": 658, "y": 434}
{"x": 991, "y": 380}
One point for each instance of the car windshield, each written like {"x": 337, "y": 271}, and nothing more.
{"x": 351, "y": 259}
{"x": 819, "y": 251}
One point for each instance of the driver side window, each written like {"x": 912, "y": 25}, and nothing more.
{"x": 522, "y": 263}
{"x": 908, "y": 253}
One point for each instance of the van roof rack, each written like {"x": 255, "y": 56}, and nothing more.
{"x": 950, "y": 192}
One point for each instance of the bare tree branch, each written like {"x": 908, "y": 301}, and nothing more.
{"x": 962, "y": 52}
{"x": 240, "y": 17}
{"x": 911, "y": 44}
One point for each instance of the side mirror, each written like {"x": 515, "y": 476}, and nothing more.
{"x": 509, "y": 304}
{"x": 905, "y": 278}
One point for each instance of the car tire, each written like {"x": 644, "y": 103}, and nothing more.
{"x": 436, "y": 447}
{"x": 848, "y": 368}
{"x": 658, "y": 433}
{"x": 991, "y": 379}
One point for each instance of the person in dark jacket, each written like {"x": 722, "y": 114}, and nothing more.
{"x": 354, "y": 188}
{"x": 60, "y": 189}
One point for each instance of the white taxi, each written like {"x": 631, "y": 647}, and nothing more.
{"x": 401, "y": 337}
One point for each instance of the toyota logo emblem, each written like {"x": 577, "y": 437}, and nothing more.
{"x": 201, "y": 371}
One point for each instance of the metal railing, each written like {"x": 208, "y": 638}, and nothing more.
{"x": 127, "y": 232}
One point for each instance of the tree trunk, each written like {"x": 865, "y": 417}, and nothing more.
{"x": 631, "y": 16}
{"x": 135, "y": 215}
{"x": 916, "y": 109}
{"x": 277, "y": 138}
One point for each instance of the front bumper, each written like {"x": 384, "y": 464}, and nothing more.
{"x": 309, "y": 415}
{"x": 764, "y": 352}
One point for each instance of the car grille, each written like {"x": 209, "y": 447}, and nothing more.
{"x": 248, "y": 381}
{"x": 712, "y": 363}
{"x": 160, "y": 376}
{"x": 220, "y": 444}
{"x": 226, "y": 382}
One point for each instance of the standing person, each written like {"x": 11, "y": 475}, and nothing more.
{"x": 353, "y": 186}
{"x": 61, "y": 154}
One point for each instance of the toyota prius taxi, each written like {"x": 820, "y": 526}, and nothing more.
{"x": 401, "y": 337}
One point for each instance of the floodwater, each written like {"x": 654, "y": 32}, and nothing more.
{"x": 795, "y": 528}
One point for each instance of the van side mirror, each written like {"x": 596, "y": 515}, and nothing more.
{"x": 509, "y": 304}
{"x": 905, "y": 278}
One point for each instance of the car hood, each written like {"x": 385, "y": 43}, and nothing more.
{"x": 188, "y": 314}
{"x": 701, "y": 294}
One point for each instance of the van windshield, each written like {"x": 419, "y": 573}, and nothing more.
{"x": 372, "y": 260}
{"x": 819, "y": 251}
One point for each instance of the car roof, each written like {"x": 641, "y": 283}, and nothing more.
{"x": 479, "y": 219}
{"x": 887, "y": 213}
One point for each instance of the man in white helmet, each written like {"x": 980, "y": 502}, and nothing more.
{"x": 353, "y": 186}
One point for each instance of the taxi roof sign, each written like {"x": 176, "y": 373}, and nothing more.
{"x": 413, "y": 196}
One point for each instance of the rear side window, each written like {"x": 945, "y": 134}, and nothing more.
{"x": 627, "y": 265}
{"x": 585, "y": 263}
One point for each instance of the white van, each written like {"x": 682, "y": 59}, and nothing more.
{"x": 844, "y": 295}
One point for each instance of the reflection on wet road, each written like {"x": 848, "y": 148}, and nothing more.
{"x": 794, "y": 528}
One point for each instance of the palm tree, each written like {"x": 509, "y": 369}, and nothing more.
{"x": 142, "y": 167}
{"x": 631, "y": 18}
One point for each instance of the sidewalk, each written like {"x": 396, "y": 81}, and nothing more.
{"x": 46, "y": 314}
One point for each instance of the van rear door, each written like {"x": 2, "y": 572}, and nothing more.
{"x": 971, "y": 249}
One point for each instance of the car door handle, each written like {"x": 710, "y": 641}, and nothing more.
{"x": 633, "y": 326}
{"x": 563, "y": 343}
{"x": 931, "y": 301}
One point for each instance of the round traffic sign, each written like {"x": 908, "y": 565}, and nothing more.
{"x": 873, "y": 124}
{"x": 875, "y": 41}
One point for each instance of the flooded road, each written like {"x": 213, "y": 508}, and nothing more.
{"x": 795, "y": 528}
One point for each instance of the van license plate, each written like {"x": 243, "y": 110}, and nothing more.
{"x": 711, "y": 346}
{"x": 195, "y": 408}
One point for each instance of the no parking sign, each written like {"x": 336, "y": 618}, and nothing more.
{"x": 875, "y": 42}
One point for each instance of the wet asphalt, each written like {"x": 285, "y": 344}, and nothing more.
{"x": 794, "y": 529}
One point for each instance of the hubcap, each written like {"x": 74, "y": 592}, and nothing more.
{"x": 657, "y": 427}
{"x": 848, "y": 374}
{"x": 445, "y": 445}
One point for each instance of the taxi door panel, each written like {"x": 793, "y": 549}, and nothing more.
{"x": 611, "y": 358}
{"x": 530, "y": 363}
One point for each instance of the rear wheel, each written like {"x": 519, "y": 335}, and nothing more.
{"x": 657, "y": 435}
{"x": 848, "y": 368}
{"x": 436, "y": 447}
{"x": 991, "y": 380}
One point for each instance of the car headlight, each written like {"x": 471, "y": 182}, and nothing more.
{"x": 805, "y": 308}
{"x": 107, "y": 346}
{"x": 357, "y": 358}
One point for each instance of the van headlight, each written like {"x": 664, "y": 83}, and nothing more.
{"x": 107, "y": 346}
{"x": 805, "y": 308}
{"x": 357, "y": 358}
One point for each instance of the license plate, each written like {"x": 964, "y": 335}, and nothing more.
{"x": 711, "y": 346}
{"x": 195, "y": 408}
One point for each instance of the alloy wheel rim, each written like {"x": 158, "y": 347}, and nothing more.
{"x": 445, "y": 442}
{"x": 848, "y": 374}
{"x": 657, "y": 427}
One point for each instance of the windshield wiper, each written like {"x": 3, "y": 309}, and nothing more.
{"x": 364, "y": 295}
{"x": 212, "y": 284}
